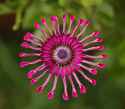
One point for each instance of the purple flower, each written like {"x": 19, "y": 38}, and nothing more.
{"x": 63, "y": 52}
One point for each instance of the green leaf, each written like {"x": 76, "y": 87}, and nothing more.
{"x": 62, "y": 2}
{"x": 4, "y": 9}
{"x": 88, "y": 3}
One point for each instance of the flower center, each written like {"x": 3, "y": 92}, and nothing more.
{"x": 62, "y": 54}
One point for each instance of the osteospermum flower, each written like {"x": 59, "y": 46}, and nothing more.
{"x": 64, "y": 52}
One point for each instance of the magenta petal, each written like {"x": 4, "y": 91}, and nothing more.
{"x": 39, "y": 89}
{"x": 23, "y": 64}
{"x": 93, "y": 71}
{"x": 93, "y": 82}
{"x": 65, "y": 97}
{"x": 95, "y": 34}
{"x": 50, "y": 95}
{"x": 101, "y": 65}
{"x": 82, "y": 89}
{"x": 33, "y": 81}
{"x": 74, "y": 93}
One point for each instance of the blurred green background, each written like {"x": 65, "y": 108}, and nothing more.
{"x": 16, "y": 17}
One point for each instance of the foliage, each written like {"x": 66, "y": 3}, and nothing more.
{"x": 107, "y": 16}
